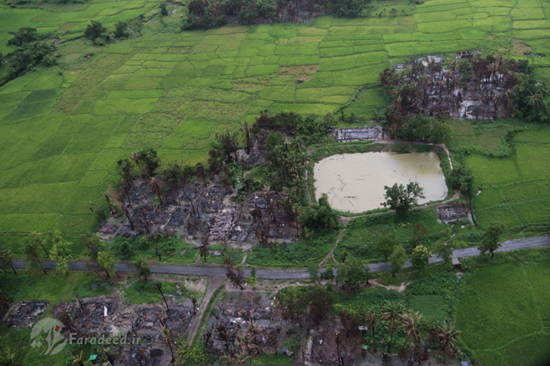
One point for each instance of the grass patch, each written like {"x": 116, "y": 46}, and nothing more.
{"x": 298, "y": 254}
{"x": 143, "y": 292}
{"x": 363, "y": 233}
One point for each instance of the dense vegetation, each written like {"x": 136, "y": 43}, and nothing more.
{"x": 203, "y": 14}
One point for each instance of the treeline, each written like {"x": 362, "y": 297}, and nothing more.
{"x": 31, "y": 50}
{"x": 99, "y": 35}
{"x": 204, "y": 14}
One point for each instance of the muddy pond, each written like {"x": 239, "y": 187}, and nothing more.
{"x": 355, "y": 182}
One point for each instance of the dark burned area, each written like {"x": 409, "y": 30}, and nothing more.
{"x": 210, "y": 210}
{"x": 470, "y": 87}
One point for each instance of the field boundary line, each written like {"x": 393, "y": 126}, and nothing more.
{"x": 532, "y": 292}
{"x": 512, "y": 341}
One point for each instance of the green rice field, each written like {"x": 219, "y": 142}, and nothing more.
{"x": 504, "y": 312}
{"x": 63, "y": 128}
{"x": 515, "y": 190}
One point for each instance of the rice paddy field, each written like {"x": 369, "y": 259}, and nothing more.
{"x": 514, "y": 189}
{"x": 503, "y": 311}
{"x": 63, "y": 128}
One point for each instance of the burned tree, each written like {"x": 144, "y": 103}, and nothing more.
{"x": 147, "y": 161}
{"x": 229, "y": 143}
{"x": 235, "y": 275}
{"x": 473, "y": 87}
{"x": 203, "y": 248}
{"x": 118, "y": 201}
{"x": 158, "y": 286}
{"x": 158, "y": 186}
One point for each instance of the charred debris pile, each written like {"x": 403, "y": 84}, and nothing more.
{"x": 469, "y": 86}
{"x": 241, "y": 197}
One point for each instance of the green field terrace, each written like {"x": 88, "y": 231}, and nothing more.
{"x": 63, "y": 128}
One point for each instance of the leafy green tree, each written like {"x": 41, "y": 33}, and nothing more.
{"x": 293, "y": 303}
{"x": 61, "y": 248}
{"x": 26, "y": 57}
{"x": 462, "y": 178}
{"x": 30, "y": 251}
{"x": 445, "y": 245}
{"x": 320, "y": 218}
{"x": 401, "y": 198}
{"x": 40, "y": 240}
{"x": 385, "y": 245}
{"x": 23, "y": 36}
{"x": 530, "y": 94}
{"x": 398, "y": 259}
{"x": 328, "y": 274}
{"x": 441, "y": 133}
{"x": 7, "y": 357}
{"x": 147, "y": 160}
{"x": 137, "y": 26}
{"x": 94, "y": 244}
{"x": 420, "y": 257}
{"x": 60, "y": 252}
{"x": 163, "y": 9}
{"x": 121, "y": 29}
{"x": 106, "y": 261}
{"x": 313, "y": 270}
{"x": 491, "y": 238}
{"x": 347, "y": 8}
{"x": 94, "y": 30}
{"x": 320, "y": 303}
{"x": 142, "y": 268}
{"x": 248, "y": 14}
{"x": 353, "y": 273}
{"x": 6, "y": 259}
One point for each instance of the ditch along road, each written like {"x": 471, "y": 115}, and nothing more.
{"x": 284, "y": 274}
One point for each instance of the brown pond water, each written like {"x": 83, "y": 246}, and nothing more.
{"x": 355, "y": 182}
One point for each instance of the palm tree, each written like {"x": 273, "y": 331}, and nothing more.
{"x": 391, "y": 312}
{"x": 447, "y": 335}
{"x": 536, "y": 99}
{"x": 79, "y": 359}
{"x": 412, "y": 321}
{"x": 371, "y": 321}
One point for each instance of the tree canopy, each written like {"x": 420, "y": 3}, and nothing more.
{"x": 401, "y": 198}
{"x": 491, "y": 238}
